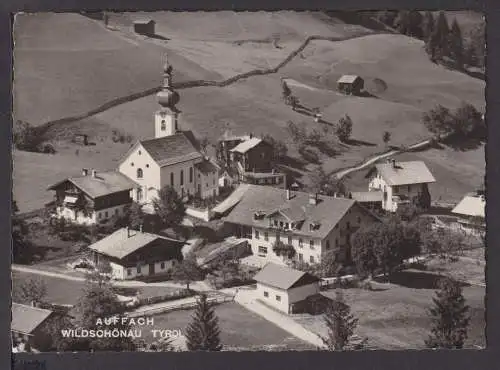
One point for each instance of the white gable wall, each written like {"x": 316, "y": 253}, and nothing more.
{"x": 271, "y": 300}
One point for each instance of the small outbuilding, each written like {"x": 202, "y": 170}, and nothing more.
{"x": 284, "y": 288}
{"x": 350, "y": 84}
{"x": 145, "y": 27}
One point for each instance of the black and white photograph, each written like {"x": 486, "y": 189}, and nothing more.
{"x": 248, "y": 181}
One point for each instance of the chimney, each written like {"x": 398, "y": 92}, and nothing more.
{"x": 85, "y": 172}
{"x": 251, "y": 135}
{"x": 94, "y": 173}
{"x": 128, "y": 231}
{"x": 313, "y": 199}
{"x": 288, "y": 195}
{"x": 140, "y": 228}
{"x": 33, "y": 303}
{"x": 393, "y": 161}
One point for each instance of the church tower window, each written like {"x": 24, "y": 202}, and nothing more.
{"x": 139, "y": 173}
{"x": 163, "y": 125}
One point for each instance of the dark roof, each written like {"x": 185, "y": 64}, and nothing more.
{"x": 25, "y": 319}
{"x": 404, "y": 173}
{"x": 283, "y": 277}
{"x": 206, "y": 167}
{"x": 104, "y": 183}
{"x": 172, "y": 149}
{"x": 257, "y": 198}
{"x": 124, "y": 242}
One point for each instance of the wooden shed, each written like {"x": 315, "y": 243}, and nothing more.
{"x": 145, "y": 27}
{"x": 350, "y": 84}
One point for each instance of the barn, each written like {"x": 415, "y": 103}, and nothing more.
{"x": 350, "y": 84}
{"x": 145, "y": 27}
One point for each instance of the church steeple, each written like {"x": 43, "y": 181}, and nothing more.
{"x": 166, "y": 118}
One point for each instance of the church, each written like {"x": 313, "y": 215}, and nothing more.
{"x": 172, "y": 157}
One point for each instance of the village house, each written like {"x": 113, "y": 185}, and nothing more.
{"x": 172, "y": 158}
{"x": 305, "y": 226}
{"x": 145, "y": 27}
{"x": 28, "y": 328}
{"x": 254, "y": 155}
{"x": 350, "y": 84}
{"x": 284, "y": 288}
{"x": 401, "y": 183}
{"x": 94, "y": 197}
{"x": 471, "y": 213}
{"x": 134, "y": 253}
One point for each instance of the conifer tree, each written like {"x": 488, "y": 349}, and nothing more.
{"x": 203, "y": 332}
{"x": 455, "y": 45}
{"x": 428, "y": 25}
{"x": 340, "y": 323}
{"x": 439, "y": 37}
{"x": 450, "y": 317}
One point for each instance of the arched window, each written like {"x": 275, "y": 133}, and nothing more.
{"x": 163, "y": 125}
{"x": 139, "y": 194}
{"x": 139, "y": 173}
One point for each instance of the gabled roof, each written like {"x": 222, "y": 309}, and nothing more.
{"x": 283, "y": 277}
{"x": 232, "y": 199}
{"x": 144, "y": 21}
{"x": 206, "y": 167}
{"x": 257, "y": 198}
{"x": 104, "y": 183}
{"x": 405, "y": 173}
{"x": 124, "y": 242}
{"x": 246, "y": 145}
{"x": 471, "y": 205}
{"x": 367, "y": 196}
{"x": 172, "y": 149}
{"x": 25, "y": 319}
{"x": 348, "y": 79}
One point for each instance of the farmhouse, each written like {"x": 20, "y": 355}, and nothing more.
{"x": 134, "y": 253}
{"x": 172, "y": 158}
{"x": 284, "y": 288}
{"x": 350, "y": 84}
{"x": 28, "y": 328}
{"x": 145, "y": 27}
{"x": 401, "y": 183}
{"x": 93, "y": 197}
{"x": 283, "y": 225}
{"x": 253, "y": 155}
{"x": 470, "y": 212}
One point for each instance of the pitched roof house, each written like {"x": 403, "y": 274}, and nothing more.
{"x": 311, "y": 224}
{"x": 401, "y": 183}
{"x": 27, "y": 327}
{"x": 285, "y": 288}
{"x": 133, "y": 253}
{"x": 471, "y": 212}
{"x": 92, "y": 197}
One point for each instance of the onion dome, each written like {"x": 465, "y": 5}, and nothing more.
{"x": 167, "y": 97}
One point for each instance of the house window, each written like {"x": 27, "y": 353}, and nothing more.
{"x": 311, "y": 244}
{"x": 281, "y": 223}
{"x": 262, "y": 250}
{"x": 257, "y": 234}
{"x": 138, "y": 269}
{"x": 301, "y": 242}
{"x": 311, "y": 259}
{"x": 336, "y": 242}
{"x": 327, "y": 244}
{"x": 266, "y": 236}
{"x": 266, "y": 294}
{"x": 396, "y": 188}
{"x": 182, "y": 177}
{"x": 289, "y": 240}
{"x": 162, "y": 265}
{"x": 172, "y": 179}
{"x": 139, "y": 194}
{"x": 278, "y": 298}
{"x": 190, "y": 174}
{"x": 140, "y": 152}
{"x": 129, "y": 272}
{"x": 106, "y": 214}
{"x": 287, "y": 225}
{"x": 147, "y": 165}
{"x": 359, "y": 220}
{"x": 163, "y": 125}
{"x": 301, "y": 257}
{"x": 276, "y": 223}
{"x": 132, "y": 164}
{"x": 99, "y": 215}
{"x": 116, "y": 211}
{"x": 139, "y": 173}
{"x": 348, "y": 225}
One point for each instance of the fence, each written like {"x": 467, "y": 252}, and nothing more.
{"x": 182, "y": 306}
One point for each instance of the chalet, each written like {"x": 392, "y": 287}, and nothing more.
{"x": 93, "y": 197}
{"x": 471, "y": 213}
{"x": 28, "y": 328}
{"x": 228, "y": 142}
{"x": 172, "y": 158}
{"x": 401, "y": 183}
{"x": 145, "y": 27}
{"x": 350, "y": 84}
{"x": 283, "y": 226}
{"x": 284, "y": 288}
{"x": 253, "y": 155}
{"x": 133, "y": 253}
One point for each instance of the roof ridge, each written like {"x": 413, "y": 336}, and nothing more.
{"x": 32, "y": 307}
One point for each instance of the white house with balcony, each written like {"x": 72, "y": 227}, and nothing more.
{"x": 401, "y": 183}
{"x": 303, "y": 226}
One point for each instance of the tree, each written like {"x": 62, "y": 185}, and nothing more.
{"x": 409, "y": 23}
{"x": 203, "y": 332}
{"x": 427, "y": 25}
{"x": 387, "y": 17}
{"x": 21, "y": 247}
{"x": 386, "y": 137}
{"x": 297, "y": 133}
{"x": 343, "y": 129}
{"x": 330, "y": 264}
{"x": 187, "y": 271}
{"x": 362, "y": 250}
{"x": 279, "y": 147}
{"x": 407, "y": 212}
{"x": 340, "y": 323}
{"x": 450, "y": 317}
{"x": 285, "y": 92}
{"x": 455, "y": 45}
{"x": 204, "y": 143}
{"x": 169, "y": 207}
{"x": 24, "y": 136}
{"x": 30, "y": 292}
{"x": 135, "y": 215}
{"x": 319, "y": 179}
{"x": 443, "y": 242}
{"x": 439, "y": 37}
{"x": 438, "y": 121}
{"x": 314, "y": 137}
{"x": 468, "y": 121}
